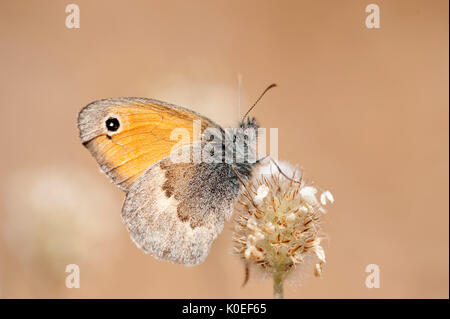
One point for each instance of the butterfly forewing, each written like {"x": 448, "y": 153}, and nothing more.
{"x": 140, "y": 138}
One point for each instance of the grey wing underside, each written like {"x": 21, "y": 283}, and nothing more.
{"x": 175, "y": 211}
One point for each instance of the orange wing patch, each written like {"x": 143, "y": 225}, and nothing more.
{"x": 142, "y": 139}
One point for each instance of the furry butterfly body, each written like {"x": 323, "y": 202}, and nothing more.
{"x": 173, "y": 210}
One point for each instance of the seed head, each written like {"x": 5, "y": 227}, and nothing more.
{"x": 278, "y": 223}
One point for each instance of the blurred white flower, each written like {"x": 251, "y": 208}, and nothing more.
{"x": 55, "y": 216}
{"x": 261, "y": 193}
{"x": 308, "y": 194}
{"x": 326, "y": 197}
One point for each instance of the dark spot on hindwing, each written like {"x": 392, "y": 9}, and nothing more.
{"x": 183, "y": 216}
{"x": 170, "y": 182}
{"x": 168, "y": 189}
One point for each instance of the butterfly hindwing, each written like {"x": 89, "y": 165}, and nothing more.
{"x": 174, "y": 211}
{"x": 141, "y": 138}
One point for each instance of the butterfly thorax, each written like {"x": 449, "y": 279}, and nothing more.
{"x": 244, "y": 147}
{"x": 235, "y": 147}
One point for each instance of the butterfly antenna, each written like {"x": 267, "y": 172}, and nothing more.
{"x": 260, "y": 97}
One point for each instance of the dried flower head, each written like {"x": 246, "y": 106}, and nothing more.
{"x": 279, "y": 222}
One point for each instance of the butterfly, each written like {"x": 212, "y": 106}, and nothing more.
{"x": 173, "y": 210}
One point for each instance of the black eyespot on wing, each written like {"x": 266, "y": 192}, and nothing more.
{"x": 112, "y": 124}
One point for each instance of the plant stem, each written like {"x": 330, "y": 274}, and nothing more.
{"x": 278, "y": 285}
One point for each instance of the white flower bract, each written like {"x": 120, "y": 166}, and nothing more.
{"x": 308, "y": 193}
{"x": 326, "y": 197}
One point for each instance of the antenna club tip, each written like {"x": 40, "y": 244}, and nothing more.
{"x": 267, "y": 89}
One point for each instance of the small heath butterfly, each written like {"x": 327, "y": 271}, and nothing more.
{"x": 174, "y": 209}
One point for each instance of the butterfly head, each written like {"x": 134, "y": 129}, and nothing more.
{"x": 249, "y": 123}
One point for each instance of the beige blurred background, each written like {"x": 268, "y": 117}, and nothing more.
{"x": 365, "y": 112}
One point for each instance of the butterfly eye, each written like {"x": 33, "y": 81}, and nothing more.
{"x": 112, "y": 124}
